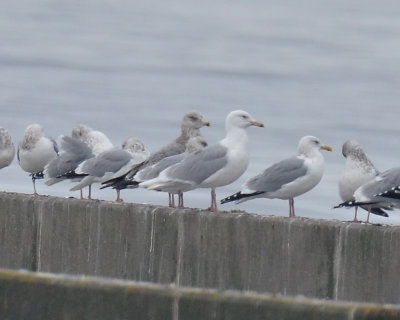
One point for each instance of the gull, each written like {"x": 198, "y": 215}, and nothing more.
{"x": 83, "y": 144}
{"x": 97, "y": 141}
{"x": 7, "y": 148}
{"x": 214, "y": 166}
{"x": 110, "y": 163}
{"x": 288, "y": 178}
{"x": 191, "y": 123}
{"x": 35, "y": 151}
{"x": 193, "y": 145}
{"x": 377, "y": 193}
{"x": 73, "y": 152}
{"x": 357, "y": 171}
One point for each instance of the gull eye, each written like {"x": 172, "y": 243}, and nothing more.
{"x": 193, "y": 118}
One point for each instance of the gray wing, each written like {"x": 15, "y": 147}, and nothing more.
{"x": 154, "y": 170}
{"x": 55, "y": 146}
{"x": 169, "y": 150}
{"x": 108, "y": 161}
{"x": 200, "y": 165}
{"x": 279, "y": 174}
{"x": 74, "y": 153}
{"x": 383, "y": 182}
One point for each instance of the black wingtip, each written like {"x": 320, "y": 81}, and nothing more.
{"x": 232, "y": 197}
{"x": 345, "y": 204}
{"x": 393, "y": 193}
{"x": 239, "y": 195}
{"x": 379, "y": 212}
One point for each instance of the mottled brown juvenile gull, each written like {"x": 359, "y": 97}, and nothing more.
{"x": 194, "y": 144}
{"x": 35, "y": 151}
{"x": 7, "y": 148}
{"x": 214, "y": 166}
{"x": 288, "y": 178}
{"x": 190, "y": 127}
{"x": 357, "y": 171}
{"x": 110, "y": 163}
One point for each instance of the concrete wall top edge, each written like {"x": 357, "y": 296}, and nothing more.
{"x": 174, "y": 291}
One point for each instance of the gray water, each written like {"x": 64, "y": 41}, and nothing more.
{"x": 132, "y": 68}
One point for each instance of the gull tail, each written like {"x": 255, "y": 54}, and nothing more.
{"x": 347, "y": 204}
{"x": 353, "y": 203}
{"x": 240, "y": 197}
{"x": 72, "y": 175}
{"x": 120, "y": 183}
{"x": 364, "y": 205}
{"x": 37, "y": 175}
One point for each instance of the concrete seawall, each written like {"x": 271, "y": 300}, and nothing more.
{"x": 192, "y": 248}
{"x": 37, "y": 296}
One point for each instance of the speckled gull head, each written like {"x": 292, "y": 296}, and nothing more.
{"x": 195, "y": 144}
{"x": 193, "y": 120}
{"x": 32, "y": 134}
{"x": 7, "y": 148}
{"x": 353, "y": 149}
{"x": 136, "y": 147}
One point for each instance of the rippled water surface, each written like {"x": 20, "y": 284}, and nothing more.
{"x": 132, "y": 68}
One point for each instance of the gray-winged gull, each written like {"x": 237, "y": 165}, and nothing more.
{"x": 96, "y": 140}
{"x": 193, "y": 145}
{"x": 7, "y": 148}
{"x": 112, "y": 162}
{"x": 191, "y": 123}
{"x": 35, "y": 151}
{"x": 214, "y": 166}
{"x": 288, "y": 178}
{"x": 377, "y": 192}
{"x": 72, "y": 153}
{"x": 357, "y": 171}
{"x": 83, "y": 144}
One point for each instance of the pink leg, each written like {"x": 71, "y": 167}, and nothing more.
{"x": 90, "y": 192}
{"x": 355, "y": 215}
{"x": 82, "y": 195}
{"x": 180, "y": 200}
{"x": 369, "y": 211}
{"x": 171, "y": 200}
{"x": 118, "y": 196}
{"x": 291, "y": 208}
{"x": 34, "y": 186}
{"x": 213, "y": 207}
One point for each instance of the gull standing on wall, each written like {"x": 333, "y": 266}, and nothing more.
{"x": 288, "y": 178}
{"x": 381, "y": 192}
{"x": 191, "y": 123}
{"x": 214, "y": 166}
{"x": 194, "y": 144}
{"x": 35, "y": 151}
{"x": 357, "y": 171}
{"x": 110, "y": 163}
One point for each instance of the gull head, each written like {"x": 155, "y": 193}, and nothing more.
{"x": 194, "y": 120}
{"x": 135, "y": 146}
{"x": 308, "y": 145}
{"x": 241, "y": 119}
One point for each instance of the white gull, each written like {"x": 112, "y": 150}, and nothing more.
{"x": 35, "y": 151}
{"x": 288, "y": 178}
{"x": 214, "y": 166}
